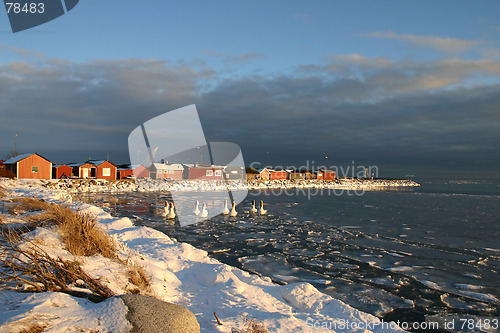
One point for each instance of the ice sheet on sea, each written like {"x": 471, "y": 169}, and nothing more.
{"x": 479, "y": 296}
{"x": 465, "y": 304}
{"x": 375, "y": 301}
{"x": 382, "y": 280}
{"x": 303, "y": 253}
{"x": 331, "y": 265}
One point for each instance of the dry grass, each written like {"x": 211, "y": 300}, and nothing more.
{"x": 34, "y": 268}
{"x": 251, "y": 326}
{"x": 35, "y": 328}
{"x": 25, "y": 205}
{"x": 3, "y": 193}
{"x": 139, "y": 278}
{"x": 80, "y": 233}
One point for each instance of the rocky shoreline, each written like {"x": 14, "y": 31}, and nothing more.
{"x": 150, "y": 185}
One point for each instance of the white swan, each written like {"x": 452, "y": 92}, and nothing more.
{"x": 204, "y": 211}
{"x": 262, "y": 211}
{"x": 233, "y": 211}
{"x": 196, "y": 208}
{"x": 225, "y": 211}
{"x": 165, "y": 209}
{"x": 171, "y": 215}
{"x": 253, "y": 210}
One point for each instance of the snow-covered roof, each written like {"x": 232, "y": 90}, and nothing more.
{"x": 271, "y": 170}
{"x": 98, "y": 162}
{"x": 17, "y": 158}
{"x": 175, "y": 166}
{"x": 79, "y": 164}
{"x": 203, "y": 166}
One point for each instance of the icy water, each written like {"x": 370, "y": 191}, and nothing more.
{"x": 409, "y": 255}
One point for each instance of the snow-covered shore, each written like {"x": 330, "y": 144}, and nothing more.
{"x": 181, "y": 274}
{"x": 147, "y": 185}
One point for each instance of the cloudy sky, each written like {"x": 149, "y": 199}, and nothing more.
{"x": 411, "y": 87}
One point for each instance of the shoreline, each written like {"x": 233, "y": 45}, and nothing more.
{"x": 186, "y": 275}
{"x": 158, "y": 185}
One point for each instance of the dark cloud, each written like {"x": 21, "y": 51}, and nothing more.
{"x": 406, "y": 115}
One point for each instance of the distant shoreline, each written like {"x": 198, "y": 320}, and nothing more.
{"x": 162, "y": 185}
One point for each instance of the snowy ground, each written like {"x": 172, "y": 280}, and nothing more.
{"x": 181, "y": 274}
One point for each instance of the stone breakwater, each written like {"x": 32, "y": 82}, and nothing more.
{"x": 161, "y": 185}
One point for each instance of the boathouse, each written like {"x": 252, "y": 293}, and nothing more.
{"x": 61, "y": 171}
{"x": 29, "y": 166}
{"x": 207, "y": 172}
{"x": 234, "y": 173}
{"x": 271, "y": 174}
{"x": 83, "y": 170}
{"x": 133, "y": 171}
{"x": 104, "y": 169}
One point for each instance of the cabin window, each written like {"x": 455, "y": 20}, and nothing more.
{"x": 218, "y": 173}
{"x": 34, "y": 169}
{"x": 209, "y": 173}
{"x": 106, "y": 172}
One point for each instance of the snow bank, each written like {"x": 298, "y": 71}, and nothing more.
{"x": 66, "y": 186}
{"x": 184, "y": 275}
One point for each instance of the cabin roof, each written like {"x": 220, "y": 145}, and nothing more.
{"x": 21, "y": 157}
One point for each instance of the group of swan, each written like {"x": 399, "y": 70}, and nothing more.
{"x": 169, "y": 210}
{"x": 226, "y": 211}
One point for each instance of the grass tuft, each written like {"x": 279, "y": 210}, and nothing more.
{"x": 80, "y": 233}
{"x": 35, "y": 328}
{"x": 34, "y": 269}
{"x": 25, "y": 205}
{"x": 139, "y": 278}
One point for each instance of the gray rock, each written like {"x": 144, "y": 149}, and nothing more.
{"x": 148, "y": 315}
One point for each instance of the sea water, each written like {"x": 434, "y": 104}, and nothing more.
{"x": 411, "y": 255}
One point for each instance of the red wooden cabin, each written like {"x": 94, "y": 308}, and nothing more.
{"x": 104, "y": 169}
{"x": 61, "y": 171}
{"x": 30, "y": 166}
{"x": 208, "y": 172}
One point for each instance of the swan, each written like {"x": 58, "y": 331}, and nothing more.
{"x": 262, "y": 211}
{"x": 233, "y": 211}
{"x": 204, "y": 211}
{"x": 166, "y": 209}
{"x": 253, "y": 210}
{"x": 225, "y": 211}
{"x": 196, "y": 209}
{"x": 171, "y": 215}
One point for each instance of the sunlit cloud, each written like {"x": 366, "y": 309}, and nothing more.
{"x": 448, "y": 45}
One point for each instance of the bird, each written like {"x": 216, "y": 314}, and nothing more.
{"x": 171, "y": 215}
{"x": 225, "y": 211}
{"x": 204, "y": 211}
{"x": 253, "y": 210}
{"x": 262, "y": 211}
{"x": 166, "y": 209}
{"x": 196, "y": 209}
{"x": 233, "y": 211}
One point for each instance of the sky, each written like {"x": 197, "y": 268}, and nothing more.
{"x": 410, "y": 87}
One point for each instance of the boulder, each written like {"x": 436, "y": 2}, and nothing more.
{"x": 148, "y": 314}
